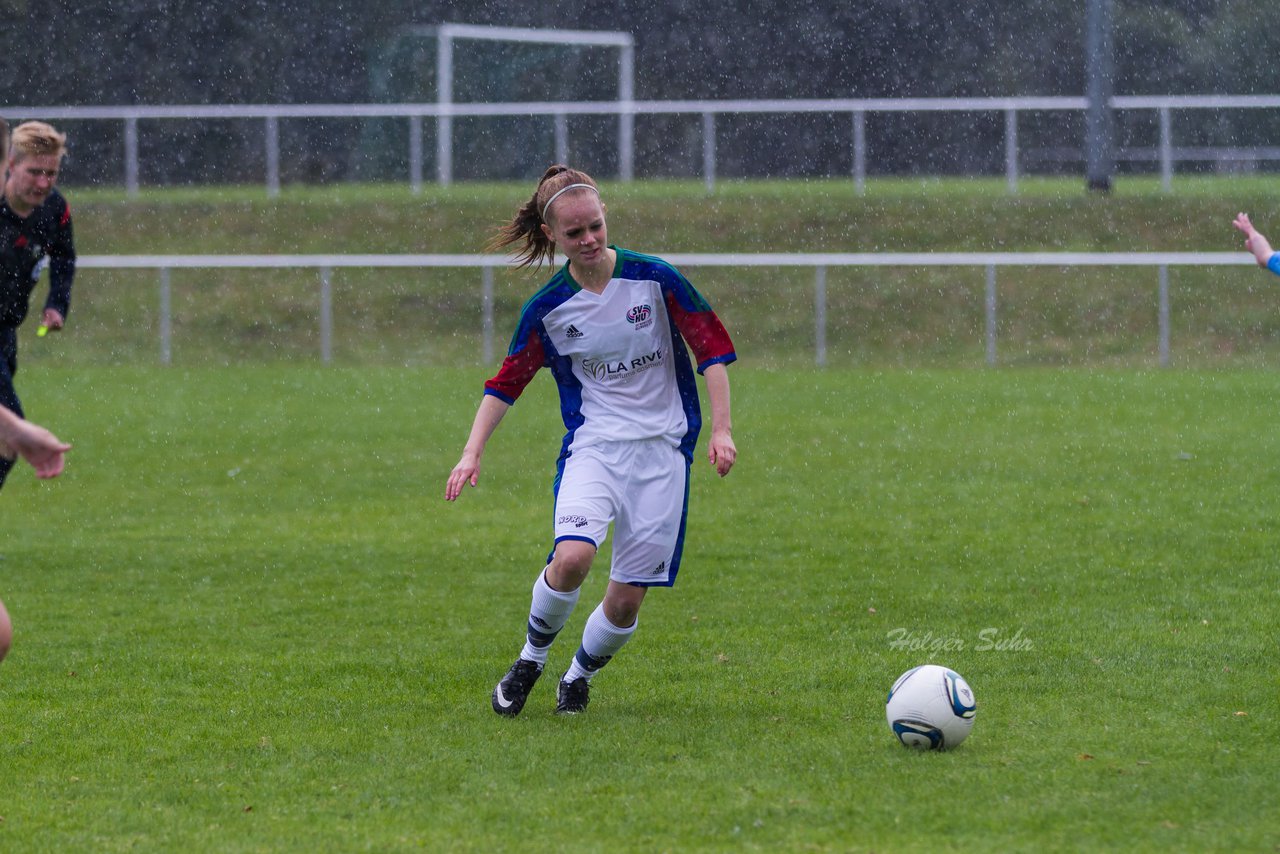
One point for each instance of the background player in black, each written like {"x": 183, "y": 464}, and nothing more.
{"x": 35, "y": 227}
{"x": 20, "y": 438}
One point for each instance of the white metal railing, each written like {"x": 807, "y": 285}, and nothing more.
{"x": 819, "y": 261}
{"x": 857, "y": 109}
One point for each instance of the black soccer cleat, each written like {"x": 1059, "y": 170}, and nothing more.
{"x": 572, "y": 697}
{"x": 513, "y": 690}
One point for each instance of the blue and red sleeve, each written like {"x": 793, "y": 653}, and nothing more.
{"x": 702, "y": 330}
{"x": 1273, "y": 263}
{"x": 517, "y": 370}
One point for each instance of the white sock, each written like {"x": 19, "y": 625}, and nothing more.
{"x": 601, "y": 641}
{"x": 548, "y": 612}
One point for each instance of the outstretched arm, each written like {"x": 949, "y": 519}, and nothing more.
{"x": 488, "y": 416}
{"x": 720, "y": 450}
{"x": 1254, "y": 240}
{"x": 43, "y": 450}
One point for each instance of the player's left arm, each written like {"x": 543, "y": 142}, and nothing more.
{"x": 43, "y": 450}
{"x": 720, "y": 450}
{"x": 698, "y": 325}
{"x": 62, "y": 270}
{"x": 713, "y": 351}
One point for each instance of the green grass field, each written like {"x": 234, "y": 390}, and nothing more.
{"x": 247, "y": 621}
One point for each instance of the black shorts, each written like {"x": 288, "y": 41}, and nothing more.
{"x": 9, "y": 367}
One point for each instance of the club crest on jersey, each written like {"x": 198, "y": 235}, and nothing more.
{"x": 640, "y": 316}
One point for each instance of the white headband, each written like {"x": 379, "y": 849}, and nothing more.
{"x": 562, "y": 190}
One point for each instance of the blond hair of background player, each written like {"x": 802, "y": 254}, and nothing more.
{"x": 37, "y": 139}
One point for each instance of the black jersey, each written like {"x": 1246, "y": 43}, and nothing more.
{"x": 25, "y": 244}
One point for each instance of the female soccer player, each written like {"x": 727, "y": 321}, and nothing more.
{"x": 1257, "y": 243}
{"x": 609, "y": 325}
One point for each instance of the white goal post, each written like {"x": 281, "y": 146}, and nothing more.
{"x": 447, "y": 34}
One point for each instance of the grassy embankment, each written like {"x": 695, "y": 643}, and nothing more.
{"x": 881, "y": 316}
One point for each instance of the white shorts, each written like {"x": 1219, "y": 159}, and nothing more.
{"x": 642, "y": 488}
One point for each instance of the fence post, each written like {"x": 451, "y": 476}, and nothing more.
{"x": 131, "y": 155}
{"x": 486, "y": 312}
{"x": 709, "y": 151}
{"x": 415, "y": 154}
{"x": 1011, "y": 149}
{"x": 444, "y": 98}
{"x": 273, "y": 156}
{"x": 626, "y": 118}
{"x": 166, "y": 320}
{"x": 860, "y": 152}
{"x": 991, "y": 314}
{"x": 1166, "y": 150}
{"x": 1164, "y": 315}
{"x": 820, "y": 315}
{"x": 444, "y": 150}
{"x": 562, "y": 138}
{"x": 326, "y": 315}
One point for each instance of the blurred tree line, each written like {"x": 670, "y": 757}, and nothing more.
{"x": 115, "y": 52}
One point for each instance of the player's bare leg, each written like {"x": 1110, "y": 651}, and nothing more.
{"x": 554, "y": 596}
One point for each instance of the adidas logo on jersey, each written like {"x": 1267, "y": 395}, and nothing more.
{"x": 573, "y": 332}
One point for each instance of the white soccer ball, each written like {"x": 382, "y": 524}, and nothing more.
{"x": 930, "y": 707}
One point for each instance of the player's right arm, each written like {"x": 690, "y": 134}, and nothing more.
{"x": 1254, "y": 241}
{"x": 488, "y": 417}
{"x": 500, "y": 394}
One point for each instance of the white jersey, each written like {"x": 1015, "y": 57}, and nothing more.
{"x": 619, "y": 357}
